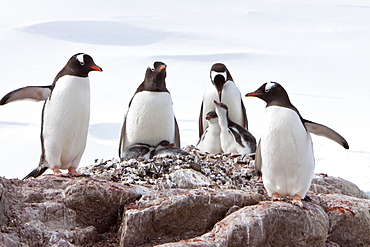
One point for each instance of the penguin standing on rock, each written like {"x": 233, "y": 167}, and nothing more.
{"x": 150, "y": 118}
{"x": 210, "y": 142}
{"x": 285, "y": 153}
{"x": 233, "y": 137}
{"x": 65, "y": 115}
{"x": 222, "y": 89}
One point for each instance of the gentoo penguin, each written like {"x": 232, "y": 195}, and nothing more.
{"x": 210, "y": 142}
{"x": 223, "y": 89}
{"x": 65, "y": 115}
{"x": 233, "y": 137}
{"x": 150, "y": 117}
{"x": 285, "y": 153}
{"x": 139, "y": 150}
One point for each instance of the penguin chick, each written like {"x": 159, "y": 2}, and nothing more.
{"x": 233, "y": 137}
{"x": 167, "y": 149}
{"x": 139, "y": 150}
{"x": 285, "y": 153}
{"x": 210, "y": 140}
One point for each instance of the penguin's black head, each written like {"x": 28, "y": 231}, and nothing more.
{"x": 272, "y": 93}
{"x": 211, "y": 115}
{"x": 155, "y": 78}
{"x": 219, "y": 75}
{"x": 81, "y": 64}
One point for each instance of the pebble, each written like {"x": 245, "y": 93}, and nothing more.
{"x": 225, "y": 170}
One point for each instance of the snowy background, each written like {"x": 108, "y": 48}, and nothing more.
{"x": 318, "y": 50}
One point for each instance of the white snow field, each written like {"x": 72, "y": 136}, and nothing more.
{"x": 318, "y": 50}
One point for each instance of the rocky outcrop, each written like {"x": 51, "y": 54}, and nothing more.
{"x": 192, "y": 200}
{"x": 179, "y": 214}
{"x": 268, "y": 224}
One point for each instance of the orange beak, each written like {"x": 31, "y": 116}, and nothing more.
{"x": 251, "y": 94}
{"x": 96, "y": 68}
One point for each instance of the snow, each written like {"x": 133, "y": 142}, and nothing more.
{"x": 318, "y": 51}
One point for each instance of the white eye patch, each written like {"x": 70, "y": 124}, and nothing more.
{"x": 80, "y": 58}
{"x": 214, "y": 74}
{"x": 269, "y": 85}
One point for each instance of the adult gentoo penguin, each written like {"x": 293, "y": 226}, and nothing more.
{"x": 65, "y": 115}
{"x": 285, "y": 153}
{"x": 233, "y": 137}
{"x": 223, "y": 89}
{"x": 210, "y": 142}
{"x": 150, "y": 118}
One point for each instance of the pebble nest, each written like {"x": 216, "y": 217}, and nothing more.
{"x": 226, "y": 171}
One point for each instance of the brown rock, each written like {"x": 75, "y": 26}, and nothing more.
{"x": 189, "y": 178}
{"x": 267, "y": 224}
{"x": 323, "y": 183}
{"x": 349, "y": 219}
{"x": 98, "y": 204}
{"x": 182, "y": 215}
{"x": 54, "y": 211}
{"x": 171, "y": 203}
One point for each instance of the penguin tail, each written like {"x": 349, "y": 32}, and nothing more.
{"x": 36, "y": 172}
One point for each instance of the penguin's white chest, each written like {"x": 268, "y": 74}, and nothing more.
{"x": 150, "y": 119}
{"x": 229, "y": 143}
{"x": 287, "y": 153}
{"x": 230, "y": 97}
{"x": 210, "y": 140}
{"x": 65, "y": 121}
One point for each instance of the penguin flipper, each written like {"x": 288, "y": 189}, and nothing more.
{"x": 200, "y": 122}
{"x": 177, "y": 135}
{"x": 245, "y": 120}
{"x": 258, "y": 160}
{"x": 36, "y": 172}
{"x": 322, "y": 130}
{"x": 36, "y": 93}
{"x": 121, "y": 148}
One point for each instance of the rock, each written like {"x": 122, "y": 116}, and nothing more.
{"x": 189, "y": 178}
{"x": 54, "y": 211}
{"x": 98, "y": 204}
{"x": 3, "y": 195}
{"x": 267, "y": 224}
{"x": 349, "y": 219}
{"x": 5, "y": 240}
{"x": 323, "y": 183}
{"x": 179, "y": 215}
{"x": 164, "y": 201}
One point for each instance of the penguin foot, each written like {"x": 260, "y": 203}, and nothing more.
{"x": 58, "y": 173}
{"x": 277, "y": 197}
{"x": 73, "y": 172}
{"x": 297, "y": 201}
